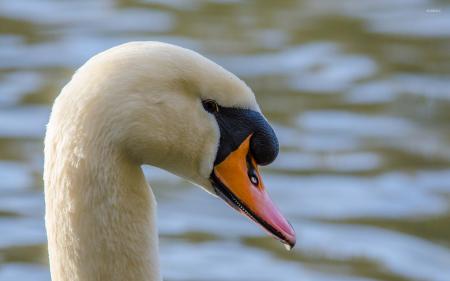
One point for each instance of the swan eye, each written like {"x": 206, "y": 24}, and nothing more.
{"x": 211, "y": 106}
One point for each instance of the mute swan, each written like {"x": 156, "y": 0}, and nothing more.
{"x": 147, "y": 103}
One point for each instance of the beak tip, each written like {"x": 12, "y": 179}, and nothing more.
{"x": 289, "y": 246}
{"x": 292, "y": 242}
{"x": 291, "y": 239}
{"x": 289, "y": 242}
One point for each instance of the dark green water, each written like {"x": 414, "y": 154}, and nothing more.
{"x": 358, "y": 92}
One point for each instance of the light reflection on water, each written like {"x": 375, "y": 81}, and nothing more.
{"x": 358, "y": 92}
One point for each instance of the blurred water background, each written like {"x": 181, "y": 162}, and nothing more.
{"x": 358, "y": 92}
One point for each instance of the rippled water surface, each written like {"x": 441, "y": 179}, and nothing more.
{"x": 358, "y": 92}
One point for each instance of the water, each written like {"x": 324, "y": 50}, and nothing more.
{"x": 358, "y": 92}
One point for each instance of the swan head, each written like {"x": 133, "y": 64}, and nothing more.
{"x": 172, "y": 108}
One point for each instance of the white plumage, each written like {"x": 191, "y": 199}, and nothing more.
{"x": 138, "y": 103}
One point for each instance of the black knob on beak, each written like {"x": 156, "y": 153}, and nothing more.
{"x": 264, "y": 144}
{"x": 237, "y": 124}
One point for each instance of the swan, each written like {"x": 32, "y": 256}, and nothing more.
{"x": 156, "y": 104}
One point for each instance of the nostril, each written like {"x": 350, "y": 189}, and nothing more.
{"x": 251, "y": 171}
{"x": 253, "y": 178}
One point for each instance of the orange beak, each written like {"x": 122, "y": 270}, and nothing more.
{"x": 238, "y": 181}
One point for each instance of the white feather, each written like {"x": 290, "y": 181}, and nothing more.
{"x": 138, "y": 103}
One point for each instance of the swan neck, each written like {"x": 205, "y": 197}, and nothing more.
{"x": 100, "y": 214}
